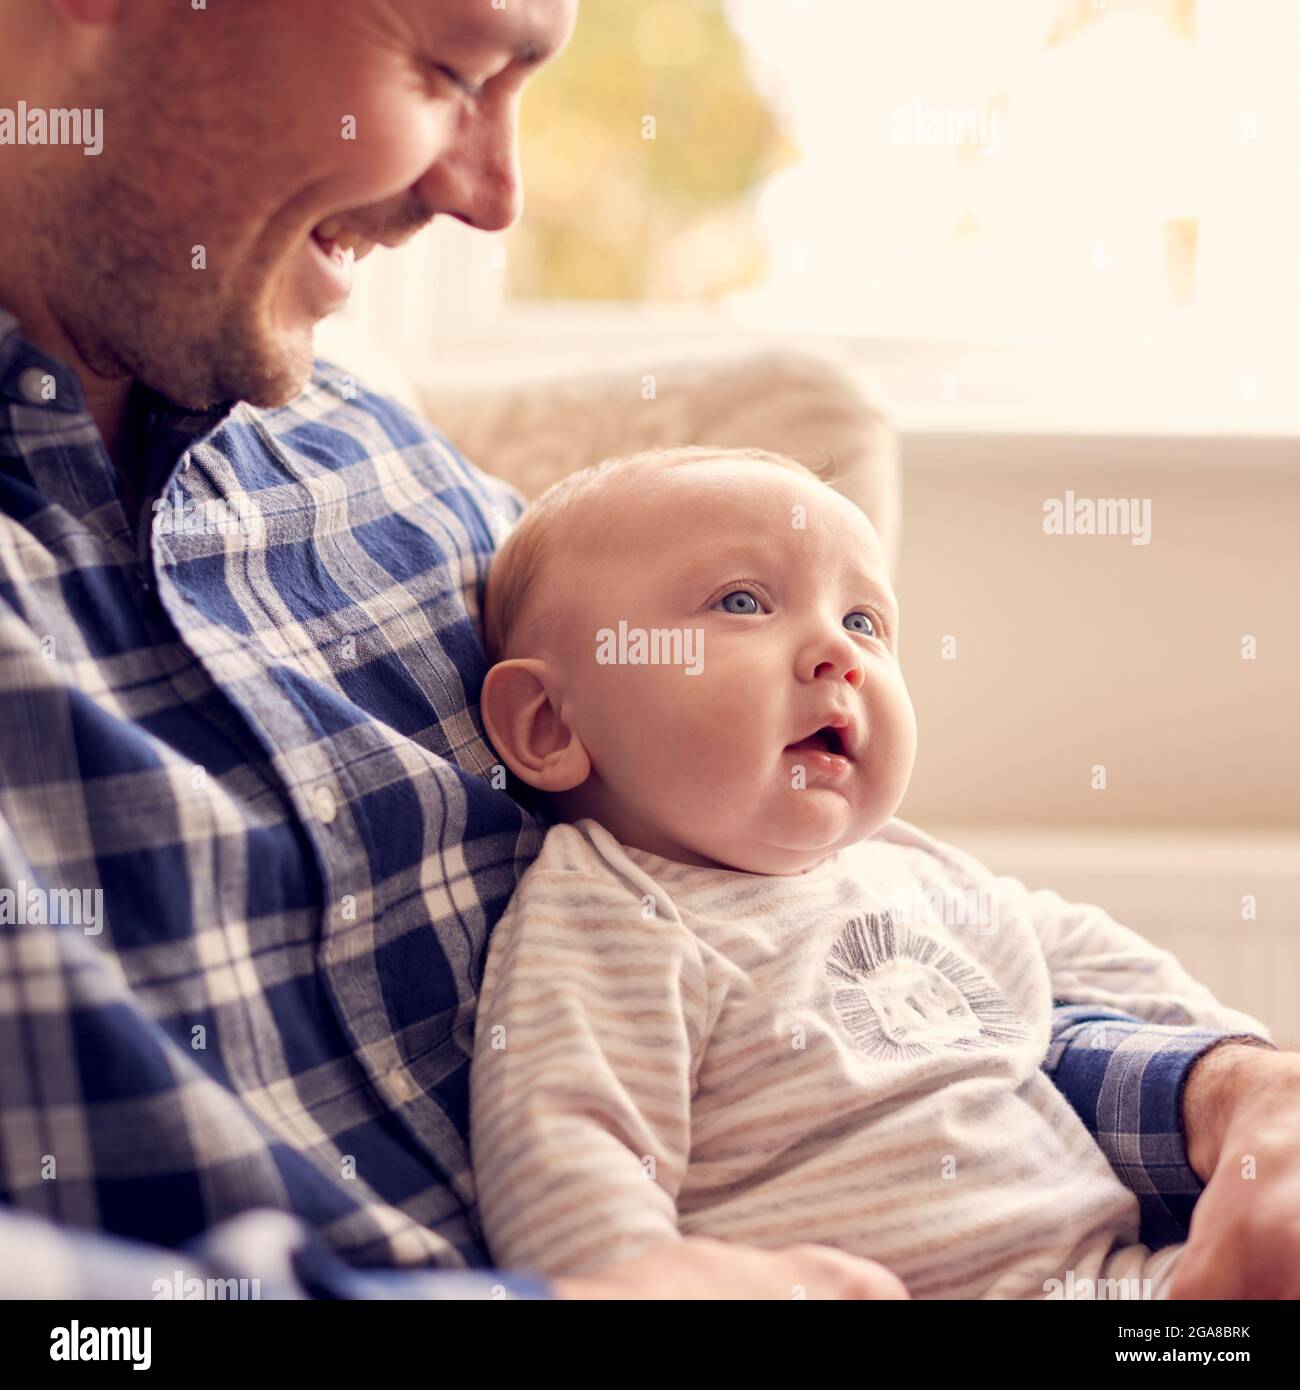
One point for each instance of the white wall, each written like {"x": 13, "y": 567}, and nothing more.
{"x": 1075, "y": 651}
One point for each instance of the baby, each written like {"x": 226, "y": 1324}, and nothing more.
{"x": 735, "y": 996}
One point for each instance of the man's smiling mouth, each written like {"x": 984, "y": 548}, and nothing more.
{"x": 339, "y": 244}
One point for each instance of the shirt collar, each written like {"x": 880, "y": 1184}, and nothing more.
{"x": 31, "y": 377}
{"x": 45, "y": 420}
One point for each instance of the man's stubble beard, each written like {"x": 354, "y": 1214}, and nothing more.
{"x": 116, "y": 233}
{"x": 118, "y": 276}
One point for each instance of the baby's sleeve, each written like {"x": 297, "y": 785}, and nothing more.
{"x": 586, "y": 1039}
{"x": 1092, "y": 959}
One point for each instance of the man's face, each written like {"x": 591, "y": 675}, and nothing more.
{"x": 184, "y": 254}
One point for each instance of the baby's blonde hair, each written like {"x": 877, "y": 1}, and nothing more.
{"x": 533, "y": 546}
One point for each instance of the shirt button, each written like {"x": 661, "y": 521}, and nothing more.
{"x": 32, "y": 384}
{"x": 323, "y": 803}
{"x": 402, "y": 1087}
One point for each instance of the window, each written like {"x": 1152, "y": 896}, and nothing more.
{"x": 1058, "y": 169}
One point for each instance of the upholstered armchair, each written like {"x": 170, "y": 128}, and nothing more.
{"x": 532, "y": 430}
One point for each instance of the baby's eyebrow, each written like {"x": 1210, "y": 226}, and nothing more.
{"x": 878, "y": 592}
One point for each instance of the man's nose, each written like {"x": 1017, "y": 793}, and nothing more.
{"x": 477, "y": 178}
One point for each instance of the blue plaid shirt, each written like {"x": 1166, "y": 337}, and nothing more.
{"x": 253, "y": 845}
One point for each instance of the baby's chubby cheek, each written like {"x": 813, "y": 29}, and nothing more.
{"x": 683, "y": 738}
{"x": 698, "y": 734}
{"x": 886, "y": 765}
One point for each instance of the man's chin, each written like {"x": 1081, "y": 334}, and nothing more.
{"x": 278, "y": 389}
{"x": 277, "y": 373}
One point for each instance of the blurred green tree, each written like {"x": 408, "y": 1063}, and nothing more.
{"x": 642, "y": 148}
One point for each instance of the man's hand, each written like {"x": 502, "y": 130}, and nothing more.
{"x": 1241, "y": 1113}
{"x": 696, "y": 1267}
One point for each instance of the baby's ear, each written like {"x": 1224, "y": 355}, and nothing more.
{"x": 525, "y": 729}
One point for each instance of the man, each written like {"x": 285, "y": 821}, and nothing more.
{"x": 247, "y": 819}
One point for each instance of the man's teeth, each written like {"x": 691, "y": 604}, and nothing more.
{"x": 333, "y": 236}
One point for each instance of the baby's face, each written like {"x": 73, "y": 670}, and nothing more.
{"x": 777, "y": 588}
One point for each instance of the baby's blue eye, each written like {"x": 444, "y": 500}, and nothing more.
{"x": 744, "y": 596}
{"x": 868, "y": 631}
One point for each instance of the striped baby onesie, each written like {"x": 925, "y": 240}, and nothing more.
{"x": 850, "y": 1056}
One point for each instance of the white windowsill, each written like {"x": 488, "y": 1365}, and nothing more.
{"x": 1156, "y": 390}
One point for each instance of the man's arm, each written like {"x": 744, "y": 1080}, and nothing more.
{"x": 1242, "y": 1115}
{"x": 1223, "y": 1085}
{"x": 270, "y": 1254}
{"x": 44, "y": 1258}
{"x": 1153, "y": 1097}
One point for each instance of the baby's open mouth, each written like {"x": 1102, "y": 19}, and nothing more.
{"x": 826, "y": 739}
